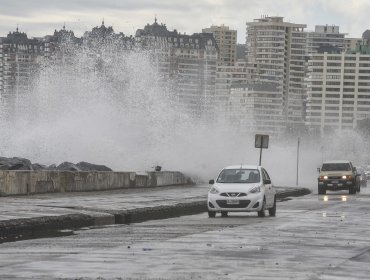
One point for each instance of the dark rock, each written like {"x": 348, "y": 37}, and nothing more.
{"x": 85, "y": 166}
{"x": 52, "y": 167}
{"x": 68, "y": 166}
{"x": 38, "y": 166}
{"x": 15, "y": 163}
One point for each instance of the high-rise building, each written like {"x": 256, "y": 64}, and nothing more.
{"x": 226, "y": 41}
{"x": 257, "y": 107}
{"x": 18, "y": 61}
{"x": 227, "y": 76}
{"x": 276, "y": 53}
{"x": 338, "y": 91}
{"x": 189, "y": 61}
{"x": 325, "y": 38}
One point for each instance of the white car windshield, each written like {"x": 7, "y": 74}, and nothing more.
{"x": 239, "y": 176}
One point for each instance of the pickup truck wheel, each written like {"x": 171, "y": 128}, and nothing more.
{"x": 321, "y": 190}
{"x": 352, "y": 190}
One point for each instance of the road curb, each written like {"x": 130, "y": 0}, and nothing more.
{"x": 160, "y": 212}
{"x": 18, "y": 229}
{"x": 295, "y": 192}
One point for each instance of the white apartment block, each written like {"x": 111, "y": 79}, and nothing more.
{"x": 226, "y": 41}
{"x": 325, "y": 38}
{"x": 257, "y": 107}
{"x": 276, "y": 53}
{"x": 338, "y": 91}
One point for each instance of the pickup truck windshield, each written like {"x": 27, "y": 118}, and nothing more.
{"x": 336, "y": 167}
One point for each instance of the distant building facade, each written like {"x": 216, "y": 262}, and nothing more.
{"x": 190, "y": 61}
{"x": 338, "y": 91}
{"x": 227, "y": 76}
{"x": 226, "y": 40}
{"x": 351, "y": 43}
{"x": 257, "y": 107}
{"x": 105, "y": 37}
{"x": 60, "y": 43}
{"x": 276, "y": 53}
{"x": 18, "y": 60}
{"x": 325, "y": 38}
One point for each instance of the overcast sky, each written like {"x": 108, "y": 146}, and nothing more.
{"x": 41, "y": 17}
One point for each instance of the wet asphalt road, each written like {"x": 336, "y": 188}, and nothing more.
{"x": 312, "y": 237}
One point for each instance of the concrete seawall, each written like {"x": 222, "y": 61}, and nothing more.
{"x": 32, "y": 182}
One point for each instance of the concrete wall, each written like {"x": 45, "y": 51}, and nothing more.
{"x": 30, "y": 182}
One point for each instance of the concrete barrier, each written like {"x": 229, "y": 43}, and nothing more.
{"x": 31, "y": 182}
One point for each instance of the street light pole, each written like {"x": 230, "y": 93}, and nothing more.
{"x": 298, "y": 142}
{"x": 260, "y": 156}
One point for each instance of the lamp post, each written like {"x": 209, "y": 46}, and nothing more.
{"x": 298, "y": 142}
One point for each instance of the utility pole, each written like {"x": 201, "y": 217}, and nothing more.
{"x": 298, "y": 142}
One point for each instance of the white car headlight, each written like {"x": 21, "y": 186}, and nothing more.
{"x": 255, "y": 190}
{"x": 213, "y": 190}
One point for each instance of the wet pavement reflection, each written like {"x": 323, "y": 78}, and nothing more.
{"x": 339, "y": 198}
{"x": 342, "y": 198}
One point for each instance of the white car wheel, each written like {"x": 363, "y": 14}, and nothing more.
{"x": 261, "y": 213}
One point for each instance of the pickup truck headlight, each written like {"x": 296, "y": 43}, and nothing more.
{"x": 213, "y": 190}
{"x": 347, "y": 177}
{"x": 322, "y": 178}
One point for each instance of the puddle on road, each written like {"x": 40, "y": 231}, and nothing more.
{"x": 37, "y": 235}
{"x": 334, "y": 198}
{"x": 342, "y": 216}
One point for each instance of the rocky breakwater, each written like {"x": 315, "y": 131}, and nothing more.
{"x": 17, "y": 163}
{"x": 18, "y": 176}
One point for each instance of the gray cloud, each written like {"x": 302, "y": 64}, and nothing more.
{"x": 39, "y": 16}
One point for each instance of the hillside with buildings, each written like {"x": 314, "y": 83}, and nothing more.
{"x": 284, "y": 79}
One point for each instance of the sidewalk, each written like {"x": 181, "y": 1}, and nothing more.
{"x": 27, "y": 216}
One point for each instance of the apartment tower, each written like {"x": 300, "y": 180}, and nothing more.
{"x": 226, "y": 41}
{"x": 276, "y": 53}
{"x": 325, "y": 38}
{"x": 188, "y": 61}
{"x": 338, "y": 91}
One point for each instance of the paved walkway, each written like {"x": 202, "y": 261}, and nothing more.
{"x": 26, "y": 215}
{"x": 55, "y": 204}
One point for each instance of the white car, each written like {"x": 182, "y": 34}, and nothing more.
{"x": 242, "y": 188}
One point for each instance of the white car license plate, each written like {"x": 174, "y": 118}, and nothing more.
{"x": 232, "y": 201}
{"x": 335, "y": 182}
